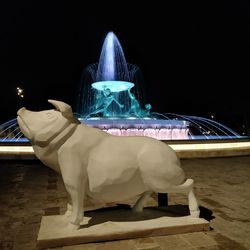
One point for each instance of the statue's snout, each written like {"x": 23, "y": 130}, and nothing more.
{"x": 21, "y": 110}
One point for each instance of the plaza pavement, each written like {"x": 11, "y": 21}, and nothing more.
{"x": 29, "y": 190}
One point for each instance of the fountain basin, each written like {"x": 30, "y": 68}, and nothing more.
{"x": 133, "y": 126}
{"x": 114, "y": 86}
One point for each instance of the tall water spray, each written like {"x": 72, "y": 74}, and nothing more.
{"x": 112, "y": 64}
{"x": 112, "y": 87}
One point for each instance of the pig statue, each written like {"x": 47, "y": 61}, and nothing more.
{"x": 105, "y": 167}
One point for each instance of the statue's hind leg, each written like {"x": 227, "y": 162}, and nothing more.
{"x": 138, "y": 207}
{"x": 192, "y": 201}
{"x": 193, "y": 204}
{"x": 185, "y": 188}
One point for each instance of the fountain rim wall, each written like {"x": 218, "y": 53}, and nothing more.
{"x": 185, "y": 149}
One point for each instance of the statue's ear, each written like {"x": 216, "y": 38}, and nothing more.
{"x": 65, "y": 109}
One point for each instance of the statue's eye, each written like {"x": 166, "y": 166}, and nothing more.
{"x": 49, "y": 115}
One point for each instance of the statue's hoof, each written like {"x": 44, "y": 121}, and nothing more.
{"x": 72, "y": 227}
{"x": 137, "y": 210}
{"x": 68, "y": 213}
{"x": 195, "y": 214}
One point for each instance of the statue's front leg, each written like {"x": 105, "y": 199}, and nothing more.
{"x": 69, "y": 210}
{"x": 76, "y": 193}
{"x": 74, "y": 181}
{"x": 77, "y": 205}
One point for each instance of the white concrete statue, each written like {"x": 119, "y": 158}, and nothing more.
{"x": 105, "y": 167}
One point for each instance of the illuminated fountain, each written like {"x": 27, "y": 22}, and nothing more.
{"x": 111, "y": 98}
{"x": 112, "y": 87}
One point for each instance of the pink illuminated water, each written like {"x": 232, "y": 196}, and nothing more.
{"x": 160, "y": 134}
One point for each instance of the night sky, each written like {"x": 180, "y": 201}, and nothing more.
{"x": 194, "y": 56}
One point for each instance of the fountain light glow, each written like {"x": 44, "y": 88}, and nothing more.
{"x": 114, "y": 86}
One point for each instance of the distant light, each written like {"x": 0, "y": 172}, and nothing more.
{"x": 20, "y": 92}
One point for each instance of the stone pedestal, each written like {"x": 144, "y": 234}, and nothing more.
{"x": 114, "y": 224}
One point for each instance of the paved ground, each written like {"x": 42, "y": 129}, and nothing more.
{"x": 29, "y": 190}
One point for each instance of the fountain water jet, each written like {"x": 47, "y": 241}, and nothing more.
{"x": 112, "y": 72}
{"x": 111, "y": 87}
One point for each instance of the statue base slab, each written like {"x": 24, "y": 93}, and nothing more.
{"x": 115, "y": 224}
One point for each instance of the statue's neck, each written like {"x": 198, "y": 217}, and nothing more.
{"x": 46, "y": 151}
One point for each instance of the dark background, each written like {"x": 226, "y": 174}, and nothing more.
{"x": 193, "y": 55}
